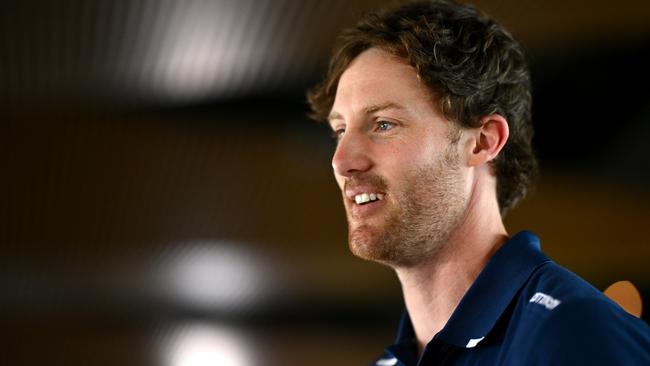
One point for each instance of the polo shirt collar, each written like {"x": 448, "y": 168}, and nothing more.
{"x": 487, "y": 299}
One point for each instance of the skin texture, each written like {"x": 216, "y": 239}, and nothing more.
{"x": 439, "y": 220}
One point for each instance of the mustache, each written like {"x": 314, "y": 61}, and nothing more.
{"x": 366, "y": 180}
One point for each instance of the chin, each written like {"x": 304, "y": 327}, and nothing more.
{"x": 362, "y": 242}
{"x": 368, "y": 243}
{"x": 391, "y": 248}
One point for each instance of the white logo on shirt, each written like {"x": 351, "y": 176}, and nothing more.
{"x": 387, "y": 362}
{"x": 546, "y": 300}
{"x": 473, "y": 342}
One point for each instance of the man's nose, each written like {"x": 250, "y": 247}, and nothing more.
{"x": 352, "y": 154}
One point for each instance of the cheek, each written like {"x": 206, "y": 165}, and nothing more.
{"x": 411, "y": 155}
{"x": 399, "y": 164}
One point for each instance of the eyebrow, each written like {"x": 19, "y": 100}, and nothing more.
{"x": 369, "y": 109}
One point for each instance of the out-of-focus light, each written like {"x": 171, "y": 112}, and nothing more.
{"x": 203, "y": 51}
{"x": 217, "y": 276}
{"x": 207, "y": 345}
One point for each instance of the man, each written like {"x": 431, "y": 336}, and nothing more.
{"x": 430, "y": 106}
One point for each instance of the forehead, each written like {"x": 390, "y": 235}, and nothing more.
{"x": 376, "y": 77}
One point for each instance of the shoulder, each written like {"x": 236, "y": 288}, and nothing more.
{"x": 574, "y": 323}
{"x": 595, "y": 331}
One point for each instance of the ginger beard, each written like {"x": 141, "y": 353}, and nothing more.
{"x": 418, "y": 220}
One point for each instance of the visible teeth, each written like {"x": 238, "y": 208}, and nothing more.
{"x": 367, "y": 197}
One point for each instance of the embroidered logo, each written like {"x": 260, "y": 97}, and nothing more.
{"x": 545, "y": 300}
{"x": 473, "y": 342}
{"x": 387, "y": 362}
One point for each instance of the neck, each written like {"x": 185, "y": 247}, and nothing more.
{"x": 433, "y": 289}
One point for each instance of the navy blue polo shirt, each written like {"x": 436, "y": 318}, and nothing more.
{"x": 524, "y": 309}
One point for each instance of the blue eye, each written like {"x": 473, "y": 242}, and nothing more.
{"x": 385, "y": 125}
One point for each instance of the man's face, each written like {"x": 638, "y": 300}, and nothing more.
{"x": 401, "y": 176}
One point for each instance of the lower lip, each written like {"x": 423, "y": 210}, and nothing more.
{"x": 366, "y": 209}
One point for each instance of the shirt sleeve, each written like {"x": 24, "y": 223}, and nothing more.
{"x": 591, "y": 332}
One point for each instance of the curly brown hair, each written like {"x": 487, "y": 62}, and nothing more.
{"x": 468, "y": 60}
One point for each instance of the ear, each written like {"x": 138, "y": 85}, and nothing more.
{"x": 491, "y": 136}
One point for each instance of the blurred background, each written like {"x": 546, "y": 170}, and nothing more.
{"x": 165, "y": 201}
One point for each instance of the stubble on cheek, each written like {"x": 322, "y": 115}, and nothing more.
{"x": 417, "y": 224}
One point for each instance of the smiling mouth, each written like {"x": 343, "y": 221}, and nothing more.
{"x": 365, "y": 198}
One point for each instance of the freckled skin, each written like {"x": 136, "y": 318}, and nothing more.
{"x": 413, "y": 161}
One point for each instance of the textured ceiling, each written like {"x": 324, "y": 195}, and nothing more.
{"x": 183, "y": 52}
{"x": 165, "y": 51}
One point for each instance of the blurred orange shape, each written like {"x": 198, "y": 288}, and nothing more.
{"x": 627, "y": 296}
